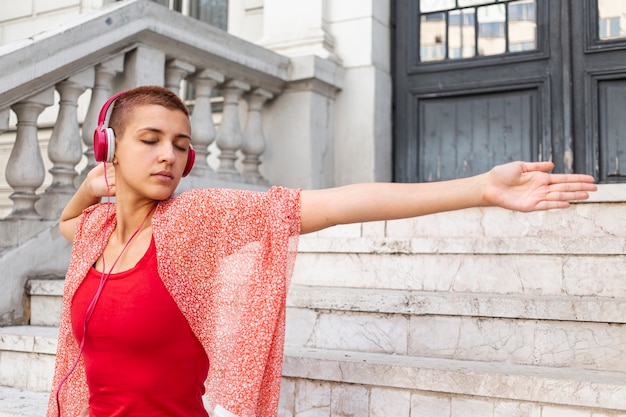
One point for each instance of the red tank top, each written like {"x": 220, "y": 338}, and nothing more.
{"x": 141, "y": 357}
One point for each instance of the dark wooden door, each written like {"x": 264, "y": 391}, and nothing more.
{"x": 599, "y": 93}
{"x": 482, "y": 82}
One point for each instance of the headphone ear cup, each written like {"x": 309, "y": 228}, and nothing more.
{"x": 191, "y": 157}
{"x": 104, "y": 138}
{"x": 111, "y": 144}
{"x": 103, "y": 144}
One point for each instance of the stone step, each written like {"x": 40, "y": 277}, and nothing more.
{"x": 588, "y": 332}
{"x": 15, "y": 402}
{"x": 575, "y": 332}
{"x": 394, "y": 263}
{"x": 426, "y": 382}
{"x": 333, "y": 381}
{"x": 46, "y": 301}
{"x": 27, "y": 357}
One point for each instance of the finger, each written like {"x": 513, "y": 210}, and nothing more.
{"x": 545, "y": 166}
{"x": 573, "y": 186}
{"x": 567, "y": 196}
{"x": 562, "y": 178}
{"x": 549, "y": 205}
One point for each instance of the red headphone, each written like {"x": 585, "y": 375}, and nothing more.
{"x": 104, "y": 139}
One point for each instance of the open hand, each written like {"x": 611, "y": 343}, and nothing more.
{"x": 529, "y": 186}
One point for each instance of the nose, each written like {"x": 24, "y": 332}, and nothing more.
{"x": 167, "y": 153}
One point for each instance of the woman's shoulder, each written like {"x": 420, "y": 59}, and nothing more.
{"x": 227, "y": 196}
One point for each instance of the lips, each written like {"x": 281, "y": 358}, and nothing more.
{"x": 163, "y": 174}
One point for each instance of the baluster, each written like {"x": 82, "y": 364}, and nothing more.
{"x": 4, "y": 120}
{"x": 25, "y": 169}
{"x": 229, "y": 137}
{"x": 175, "y": 71}
{"x": 254, "y": 140}
{"x": 65, "y": 147}
{"x": 202, "y": 127}
{"x": 100, "y": 92}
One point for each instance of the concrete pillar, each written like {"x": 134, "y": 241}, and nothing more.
{"x": 297, "y": 28}
{"x": 300, "y": 124}
{"x": 142, "y": 66}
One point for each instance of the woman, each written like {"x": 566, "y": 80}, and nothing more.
{"x": 195, "y": 290}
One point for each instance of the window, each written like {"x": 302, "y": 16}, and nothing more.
{"x": 461, "y": 29}
{"x": 611, "y": 19}
{"x": 213, "y": 12}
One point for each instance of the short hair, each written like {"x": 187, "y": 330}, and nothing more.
{"x": 125, "y": 104}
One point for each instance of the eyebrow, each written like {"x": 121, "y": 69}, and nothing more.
{"x": 159, "y": 131}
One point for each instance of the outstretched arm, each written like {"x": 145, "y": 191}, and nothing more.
{"x": 89, "y": 193}
{"x": 520, "y": 186}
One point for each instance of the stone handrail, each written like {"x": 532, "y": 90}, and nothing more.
{"x": 118, "y": 47}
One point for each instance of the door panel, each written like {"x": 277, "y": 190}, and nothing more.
{"x": 470, "y": 134}
{"x": 599, "y": 79}
{"x": 612, "y": 129}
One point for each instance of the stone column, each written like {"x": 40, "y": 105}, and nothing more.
{"x": 202, "y": 126}
{"x": 253, "y": 138}
{"x": 229, "y": 137}
{"x": 4, "y": 120}
{"x": 176, "y": 71}
{"x": 25, "y": 168}
{"x": 65, "y": 146}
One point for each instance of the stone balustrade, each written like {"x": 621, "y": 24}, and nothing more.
{"x": 202, "y": 64}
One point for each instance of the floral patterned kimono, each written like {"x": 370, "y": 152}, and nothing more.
{"x": 226, "y": 257}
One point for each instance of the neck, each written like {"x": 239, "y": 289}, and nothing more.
{"x": 133, "y": 219}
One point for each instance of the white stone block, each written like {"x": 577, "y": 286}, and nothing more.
{"x": 362, "y": 332}
{"x": 423, "y": 405}
{"x": 587, "y": 276}
{"x": 516, "y": 409}
{"x": 550, "y": 411}
{"x": 373, "y": 229}
{"x": 340, "y": 10}
{"x": 457, "y": 273}
{"x": 389, "y": 402}
{"x": 43, "y": 6}
{"x": 300, "y": 326}
{"x": 313, "y": 399}
{"x": 13, "y": 31}
{"x": 17, "y": 9}
{"x": 28, "y": 371}
{"x": 353, "y": 42}
{"x": 558, "y": 344}
{"x": 342, "y": 230}
{"x": 287, "y": 398}
{"x": 45, "y": 310}
{"x": 468, "y": 407}
{"x": 349, "y": 400}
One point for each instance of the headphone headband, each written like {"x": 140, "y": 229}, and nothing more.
{"x": 105, "y": 108}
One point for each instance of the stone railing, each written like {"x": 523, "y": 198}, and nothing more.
{"x": 119, "y": 47}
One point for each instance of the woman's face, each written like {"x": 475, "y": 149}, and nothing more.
{"x": 152, "y": 154}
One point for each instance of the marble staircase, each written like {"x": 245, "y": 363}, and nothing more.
{"x": 480, "y": 312}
